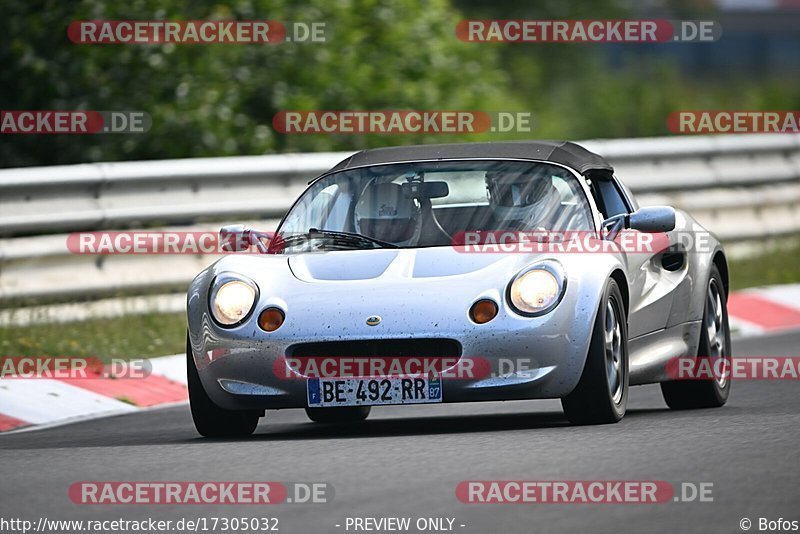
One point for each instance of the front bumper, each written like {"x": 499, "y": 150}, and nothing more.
{"x": 521, "y": 357}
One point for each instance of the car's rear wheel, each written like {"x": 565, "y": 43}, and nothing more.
{"x": 601, "y": 395}
{"x": 346, "y": 414}
{"x": 210, "y": 420}
{"x": 715, "y": 342}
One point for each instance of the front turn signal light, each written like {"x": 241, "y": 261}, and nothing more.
{"x": 483, "y": 311}
{"x": 271, "y": 319}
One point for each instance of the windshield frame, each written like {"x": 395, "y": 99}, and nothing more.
{"x": 584, "y": 187}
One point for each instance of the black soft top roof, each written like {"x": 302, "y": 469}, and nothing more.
{"x": 563, "y": 152}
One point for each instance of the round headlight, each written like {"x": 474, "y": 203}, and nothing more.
{"x": 536, "y": 291}
{"x": 232, "y": 302}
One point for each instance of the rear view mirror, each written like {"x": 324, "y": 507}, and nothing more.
{"x": 425, "y": 189}
{"x": 652, "y": 219}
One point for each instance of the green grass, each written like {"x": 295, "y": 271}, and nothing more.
{"x": 777, "y": 266}
{"x": 157, "y": 335}
{"x": 122, "y": 337}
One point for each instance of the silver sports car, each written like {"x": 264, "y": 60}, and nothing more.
{"x": 455, "y": 273}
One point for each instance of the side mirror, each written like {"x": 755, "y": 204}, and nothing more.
{"x": 239, "y": 238}
{"x": 652, "y": 219}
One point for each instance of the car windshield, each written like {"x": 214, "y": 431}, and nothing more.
{"x": 428, "y": 204}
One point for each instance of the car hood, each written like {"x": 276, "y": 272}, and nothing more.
{"x": 427, "y": 291}
{"x": 400, "y": 263}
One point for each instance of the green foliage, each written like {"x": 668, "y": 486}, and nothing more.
{"x": 217, "y": 100}
{"x": 635, "y": 99}
{"x": 576, "y": 91}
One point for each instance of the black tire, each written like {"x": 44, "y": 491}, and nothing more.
{"x": 601, "y": 396}
{"x": 693, "y": 394}
{"x": 348, "y": 414}
{"x": 210, "y": 420}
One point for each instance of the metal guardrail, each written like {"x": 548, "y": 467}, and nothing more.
{"x": 119, "y": 195}
{"x": 742, "y": 187}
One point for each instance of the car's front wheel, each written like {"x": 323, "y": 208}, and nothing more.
{"x": 601, "y": 395}
{"x": 210, "y": 420}
{"x": 347, "y": 414}
{"x": 715, "y": 342}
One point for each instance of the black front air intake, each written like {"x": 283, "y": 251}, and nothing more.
{"x": 381, "y": 348}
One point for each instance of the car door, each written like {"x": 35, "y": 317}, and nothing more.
{"x": 651, "y": 285}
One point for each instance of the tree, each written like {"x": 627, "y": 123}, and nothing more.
{"x": 216, "y": 100}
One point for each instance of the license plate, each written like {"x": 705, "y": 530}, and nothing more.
{"x": 324, "y": 392}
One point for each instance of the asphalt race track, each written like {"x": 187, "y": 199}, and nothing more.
{"x": 406, "y": 462}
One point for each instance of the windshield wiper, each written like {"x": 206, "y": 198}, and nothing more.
{"x": 342, "y": 237}
{"x": 350, "y": 236}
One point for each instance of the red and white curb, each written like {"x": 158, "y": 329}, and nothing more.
{"x": 765, "y": 310}
{"x": 48, "y": 402}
